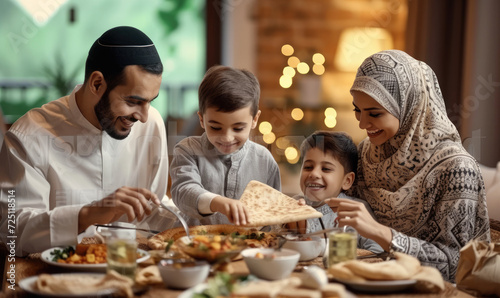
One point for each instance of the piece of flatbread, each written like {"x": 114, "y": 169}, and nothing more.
{"x": 264, "y": 288}
{"x": 267, "y": 206}
{"x": 68, "y": 285}
{"x": 404, "y": 267}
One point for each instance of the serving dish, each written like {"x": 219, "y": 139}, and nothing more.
{"x": 309, "y": 248}
{"x": 211, "y": 248}
{"x": 270, "y": 264}
{"x": 183, "y": 274}
{"x": 376, "y": 286}
{"x": 47, "y": 258}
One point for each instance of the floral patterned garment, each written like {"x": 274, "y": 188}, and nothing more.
{"x": 421, "y": 183}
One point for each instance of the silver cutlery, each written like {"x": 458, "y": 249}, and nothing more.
{"x": 127, "y": 228}
{"x": 179, "y": 216}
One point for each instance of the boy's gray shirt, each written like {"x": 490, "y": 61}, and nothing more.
{"x": 198, "y": 167}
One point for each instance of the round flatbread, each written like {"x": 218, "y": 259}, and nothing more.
{"x": 266, "y": 206}
{"x": 389, "y": 270}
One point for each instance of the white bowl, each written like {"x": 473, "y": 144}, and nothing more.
{"x": 275, "y": 265}
{"x": 308, "y": 249}
{"x": 180, "y": 276}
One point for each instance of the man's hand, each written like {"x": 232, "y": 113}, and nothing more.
{"x": 232, "y": 209}
{"x": 134, "y": 202}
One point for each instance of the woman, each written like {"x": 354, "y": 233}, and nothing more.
{"x": 426, "y": 191}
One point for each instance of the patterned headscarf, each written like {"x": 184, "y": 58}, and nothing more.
{"x": 391, "y": 172}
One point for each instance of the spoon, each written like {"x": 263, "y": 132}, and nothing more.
{"x": 175, "y": 212}
{"x": 127, "y": 228}
{"x": 314, "y": 204}
{"x": 296, "y": 236}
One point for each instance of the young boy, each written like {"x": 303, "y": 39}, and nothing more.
{"x": 329, "y": 163}
{"x": 210, "y": 172}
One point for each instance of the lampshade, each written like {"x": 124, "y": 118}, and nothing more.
{"x": 357, "y": 43}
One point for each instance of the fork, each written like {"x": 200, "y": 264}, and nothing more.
{"x": 179, "y": 216}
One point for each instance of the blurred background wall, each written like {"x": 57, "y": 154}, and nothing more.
{"x": 455, "y": 37}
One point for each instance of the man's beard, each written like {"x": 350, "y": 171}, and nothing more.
{"x": 107, "y": 118}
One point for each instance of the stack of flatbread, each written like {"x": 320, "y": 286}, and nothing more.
{"x": 288, "y": 287}
{"x": 267, "y": 206}
{"x": 83, "y": 284}
{"x": 403, "y": 268}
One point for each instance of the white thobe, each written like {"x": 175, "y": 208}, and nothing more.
{"x": 53, "y": 161}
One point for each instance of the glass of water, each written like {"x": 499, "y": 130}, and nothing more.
{"x": 121, "y": 251}
{"x": 342, "y": 245}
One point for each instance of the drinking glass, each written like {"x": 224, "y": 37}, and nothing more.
{"x": 342, "y": 244}
{"x": 121, "y": 250}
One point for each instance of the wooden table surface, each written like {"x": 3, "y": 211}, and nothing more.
{"x": 33, "y": 265}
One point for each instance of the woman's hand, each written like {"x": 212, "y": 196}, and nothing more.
{"x": 231, "y": 208}
{"x": 134, "y": 202}
{"x": 354, "y": 214}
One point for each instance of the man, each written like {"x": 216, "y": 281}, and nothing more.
{"x": 96, "y": 156}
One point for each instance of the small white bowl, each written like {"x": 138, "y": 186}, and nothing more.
{"x": 181, "y": 275}
{"x": 308, "y": 249}
{"x": 275, "y": 264}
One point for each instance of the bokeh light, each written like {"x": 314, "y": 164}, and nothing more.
{"x": 289, "y": 71}
{"x": 265, "y": 127}
{"x": 285, "y": 81}
{"x": 330, "y": 112}
{"x": 269, "y": 138}
{"x": 318, "y": 69}
{"x": 292, "y": 155}
{"x": 318, "y": 58}
{"x": 330, "y": 122}
{"x": 293, "y": 61}
{"x": 303, "y": 68}
{"x": 297, "y": 114}
{"x": 287, "y": 50}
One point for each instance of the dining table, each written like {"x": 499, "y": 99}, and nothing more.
{"x": 33, "y": 265}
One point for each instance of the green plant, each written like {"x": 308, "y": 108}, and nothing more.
{"x": 58, "y": 77}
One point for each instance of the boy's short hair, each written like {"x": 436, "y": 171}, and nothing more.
{"x": 339, "y": 144}
{"x": 228, "y": 89}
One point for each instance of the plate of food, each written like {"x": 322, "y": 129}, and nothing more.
{"x": 83, "y": 285}
{"x": 378, "y": 286}
{"x": 252, "y": 236}
{"x": 83, "y": 257}
{"x": 211, "y": 248}
{"x": 380, "y": 277}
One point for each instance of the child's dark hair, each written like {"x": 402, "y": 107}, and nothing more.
{"x": 339, "y": 144}
{"x": 229, "y": 89}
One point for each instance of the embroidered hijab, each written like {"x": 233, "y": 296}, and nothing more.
{"x": 392, "y": 175}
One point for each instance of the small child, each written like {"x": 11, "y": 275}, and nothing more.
{"x": 329, "y": 163}
{"x": 210, "y": 172}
